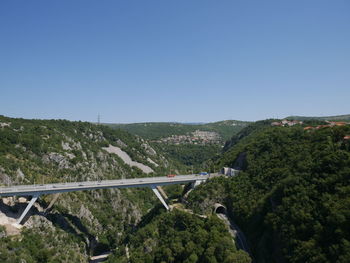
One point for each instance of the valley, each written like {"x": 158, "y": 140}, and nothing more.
{"x": 270, "y": 204}
{"x": 174, "y": 131}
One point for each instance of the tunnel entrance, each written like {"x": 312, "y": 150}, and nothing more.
{"x": 219, "y": 209}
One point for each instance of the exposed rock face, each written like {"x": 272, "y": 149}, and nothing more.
{"x": 131, "y": 213}
{"x": 19, "y": 174}
{"x": 4, "y": 178}
{"x": 2, "y": 233}
{"x": 85, "y": 213}
{"x": 4, "y": 124}
{"x": 121, "y": 144}
{"x": 70, "y": 144}
{"x": 70, "y": 155}
{"x": 65, "y": 146}
{"x": 152, "y": 162}
{"x": 62, "y": 162}
{"x": 39, "y": 221}
{"x": 97, "y": 136}
{"x": 149, "y": 150}
{"x": 6, "y": 216}
{"x": 77, "y": 146}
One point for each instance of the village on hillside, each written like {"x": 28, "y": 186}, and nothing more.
{"x": 287, "y": 123}
{"x": 197, "y": 137}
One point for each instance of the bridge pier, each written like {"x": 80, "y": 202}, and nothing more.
{"x": 31, "y": 203}
{"x": 155, "y": 190}
{"x": 36, "y": 190}
{"x": 196, "y": 183}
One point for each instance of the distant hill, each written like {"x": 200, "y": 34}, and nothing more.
{"x": 156, "y": 130}
{"x": 345, "y": 117}
{"x": 188, "y": 143}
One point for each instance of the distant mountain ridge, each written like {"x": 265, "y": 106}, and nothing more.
{"x": 157, "y": 130}
{"x": 345, "y": 117}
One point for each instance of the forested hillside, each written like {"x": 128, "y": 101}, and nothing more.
{"x": 180, "y": 237}
{"x": 292, "y": 197}
{"x": 79, "y": 224}
{"x": 345, "y": 117}
{"x": 35, "y": 147}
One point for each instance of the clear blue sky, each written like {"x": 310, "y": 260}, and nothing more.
{"x": 183, "y": 60}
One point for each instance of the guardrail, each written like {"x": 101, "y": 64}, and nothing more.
{"x": 86, "y": 185}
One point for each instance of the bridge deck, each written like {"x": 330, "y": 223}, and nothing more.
{"x": 39, "y": 189}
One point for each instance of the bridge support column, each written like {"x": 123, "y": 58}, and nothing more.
{"x": 196, "y": 183}
{"x": 155, "y": 190}
{"x": 32, "y": 201}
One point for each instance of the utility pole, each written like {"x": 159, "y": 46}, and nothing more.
{"x": 98, "y": 119}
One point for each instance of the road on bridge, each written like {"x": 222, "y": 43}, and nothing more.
{"x": 153, "y": 182}
{"x": 39, "y": 189}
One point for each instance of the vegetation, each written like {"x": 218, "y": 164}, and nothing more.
{"x": 292, "y": 198}
{"x": 81, "y": 224}
{"x": 156, "y": 130}
{"x": 39, "y": 147}
{"x": 33, "y": 247}
{"x": 45, "y": 151}
{"x": 345, "y": 117}
{"x": 180, "y": 237}
{"x": 193, "y": 156}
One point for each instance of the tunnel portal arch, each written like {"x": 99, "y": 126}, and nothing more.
{"x": 220, "y": 209}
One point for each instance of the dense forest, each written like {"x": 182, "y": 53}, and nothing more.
{"x": 292, "y": 197}
{"x": 180, "y": 237}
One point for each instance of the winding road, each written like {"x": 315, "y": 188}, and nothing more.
{"x": 235, "y": 232}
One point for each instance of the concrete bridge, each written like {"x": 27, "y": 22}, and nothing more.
{"x": 40, "y": 189}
